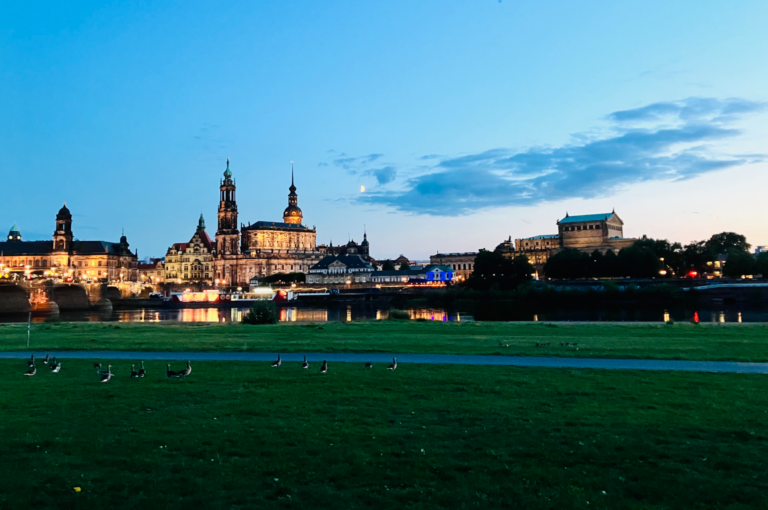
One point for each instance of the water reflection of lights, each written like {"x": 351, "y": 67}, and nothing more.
{"x": 200, "y": 315}
{"x": 666, "y": 316}
{"x": 434, "y": 315}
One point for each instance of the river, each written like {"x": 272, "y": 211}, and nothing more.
{"x": 364, "y": 312}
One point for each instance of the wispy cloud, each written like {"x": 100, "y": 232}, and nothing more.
{"x": 354, "y": 164}
{"x": 383, "y": 175}
{"x": 661, "y": 141}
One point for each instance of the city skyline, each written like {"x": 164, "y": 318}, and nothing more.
{"x": 460, "y": 122}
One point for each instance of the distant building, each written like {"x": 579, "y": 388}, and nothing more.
{"x": 462, "y": 264}
{"x": 152, "y": 272}
{"x": 340, "y": 270}
{"x": 262, "y": 248}
{"x": 351, "y": 248}
{"x": 66, "y": 257}
{"x": 761, "y": 249}
{"x": 432, "y": 274}
{"x": 537, "y": 248}
{"x": 587, "y": 233}
{"x": 593, "y": 231}
{"x": 399, "y": 261}
{"x": 192, "y": 261}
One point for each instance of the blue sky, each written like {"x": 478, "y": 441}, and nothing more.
{"x": 466, "y": 122}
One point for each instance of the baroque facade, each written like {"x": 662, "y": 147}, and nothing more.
{"x": 66, "y": 257}
{"x": 587, "y": 233}
{"x": 340, "y": 270}
{"x": 262, "y": 248}
{"x": 192, "y": 261}
{"x": 463, "y": 264}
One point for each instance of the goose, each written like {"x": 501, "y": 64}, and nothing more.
{"x": 393, "y": 366}
{"x": 324, "y": 368}
{"x": 32, "y": 371}
{"x": 134, "y": 373}
{"x": 31, "y": 361}
{"x": 106, "y": 377}
{"x": 45, "y": 360}
{"x": 278, "y": 362}
{"x": 305, "y": 364}
{"x": 55, "y": 366}
{"x": 97, "y": 366}
{"x": 142, "y": 372}
{"x": 186, "y": 371}
{"x": 369, "y": 365}
{"x": 100, "y": 371}
{"x": 169, "y": 372}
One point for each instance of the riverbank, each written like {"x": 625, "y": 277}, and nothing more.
{"x": 703, "y": 342}
{"x": 235, "y": 435}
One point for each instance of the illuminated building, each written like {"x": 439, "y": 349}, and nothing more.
{"x": 587, "y": 233}
{"x": 192, "y": 261}
{"x": 462, "y": 263}
{"x": 340, "y": 269}
{"x": 262, "y": 248}
{"x": 66, "y": 257}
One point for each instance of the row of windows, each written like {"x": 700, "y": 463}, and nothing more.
{"x": 585, "y": 227}
{"x": 207, "y": 267}
{"x": 28, "y": 262}
{"x": 461, "y": 267}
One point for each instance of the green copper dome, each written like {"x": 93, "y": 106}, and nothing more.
{"x": 201, "y": 222}
{"x": 228, "y": 172}
{"x": 14, "y": 229}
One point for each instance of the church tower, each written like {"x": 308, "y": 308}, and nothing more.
{"x": 292, "y": 213}
{"x": 62, "y": 237}
{"x": 227, "y": 235}
{"x": 365, "y": 247}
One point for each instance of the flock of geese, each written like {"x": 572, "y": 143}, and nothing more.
{"x": 106, "y": 375}
{"x": 324, "y": 366}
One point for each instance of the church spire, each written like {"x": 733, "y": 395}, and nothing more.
{"x": 292, "y": 213}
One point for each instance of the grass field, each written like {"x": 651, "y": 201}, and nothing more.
{"x": 244, "y": 435}
{"x": 738, "y": 342}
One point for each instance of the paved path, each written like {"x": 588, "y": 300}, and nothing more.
{"x": 431, "y": 359}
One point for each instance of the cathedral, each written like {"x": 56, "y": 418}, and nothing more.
{"x": 262, "y": 248}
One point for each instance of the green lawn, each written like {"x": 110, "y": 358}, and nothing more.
{"x": 244, "y": 435}
{"x": 739, "y": 342}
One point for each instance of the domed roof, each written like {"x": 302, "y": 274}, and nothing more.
{"x": 292, "y": 210}
{"x": 365, "y": 240}
{"x": 64, "y": 213}
{"x": 506, "y": 247}
{"x": 201, "y": 222}
{"x": 228, "y": 172}
{"x": 14, "y": 229}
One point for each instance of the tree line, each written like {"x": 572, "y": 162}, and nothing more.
{"x": 658, "y": 258}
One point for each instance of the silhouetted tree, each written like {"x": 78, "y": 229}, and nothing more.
{"x": 492, "y": 269}
{"x": 761, "y": 265}
{"x": 388, "y": 265}
{"x": 720, "y": 244}
{"x": 672, "y": 253}
{"x": 569, "y": 263}
{"x": 405, "y": 266}
{"x": 739, "y": 264}
{"x": 639, "y": 262}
